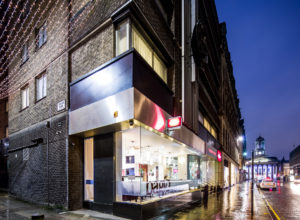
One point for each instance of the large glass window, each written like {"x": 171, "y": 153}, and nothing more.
{"x": 150, "y": 166}
{"x": 141, "y": 45}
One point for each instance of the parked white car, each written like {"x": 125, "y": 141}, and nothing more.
{"x": 297, "y": 179}
{"x": 267, "y": 184}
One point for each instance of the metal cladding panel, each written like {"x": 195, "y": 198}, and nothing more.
{"x": 106, "y": 81}
{"x": 102, "y": 113}
{"x": 152, "y": 115}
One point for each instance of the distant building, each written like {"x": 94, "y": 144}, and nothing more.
{"x": 295, "y": 161}
{"x": 264, "y": 166}
{"x": 284, "y": 169}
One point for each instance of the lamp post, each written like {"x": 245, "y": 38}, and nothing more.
{"x": 252, "y": 180}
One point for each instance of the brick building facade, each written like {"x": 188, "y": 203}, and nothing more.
{"x": 61, "y": 97}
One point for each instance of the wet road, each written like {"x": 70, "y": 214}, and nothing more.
{"x": 285, "y": 201}
{"x": 230, "y": 204}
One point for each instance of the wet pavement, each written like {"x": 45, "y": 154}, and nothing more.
{"x": 13, "y": 209}
{"x": 285, "y": 201}
{"x": 233, "y": 203}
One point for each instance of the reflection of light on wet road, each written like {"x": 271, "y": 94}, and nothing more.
{"x": 244, "y": 195}
{"x": 295, "y": 188}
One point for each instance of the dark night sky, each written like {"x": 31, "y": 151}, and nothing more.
{"x": 264, "y": 41}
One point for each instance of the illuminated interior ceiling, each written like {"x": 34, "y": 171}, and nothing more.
{"x": 153, "y": 142}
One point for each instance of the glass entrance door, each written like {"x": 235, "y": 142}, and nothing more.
{"x": 89, "y": 169}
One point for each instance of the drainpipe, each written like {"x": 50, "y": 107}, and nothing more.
{"x": 48, "y": 126}
{"x": 182, "y": 57}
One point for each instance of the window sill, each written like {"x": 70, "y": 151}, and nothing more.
{"x": 23, "y": 62}
{"x": 23, "y": 109}
{"x": 36, "y": 101}
{"x": 39, "y": 47}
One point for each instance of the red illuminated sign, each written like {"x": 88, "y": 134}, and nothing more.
{"x": 175, "y": 122}
{"x": 212, "y": 152}
{"x": 219, "y": 156}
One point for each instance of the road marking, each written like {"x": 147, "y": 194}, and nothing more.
{"x": 272, "y": 210}
{"x": 268, "y": 205}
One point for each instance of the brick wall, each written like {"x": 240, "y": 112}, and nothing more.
{"x": 96, "y": 51}
{"x": 38, "y": 172}
{"x": 50, "y": 58}
{"x": 3, "y": 118}
{"x": 75, "y": 161}
{"x": 42, "y": 178}
{"x": 86, "y": 17}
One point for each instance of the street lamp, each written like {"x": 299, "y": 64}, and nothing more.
{"x": 240, "y": 138}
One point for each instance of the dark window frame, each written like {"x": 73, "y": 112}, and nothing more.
{"x": 41, "y": 30}
{"x": 38, "y": 77}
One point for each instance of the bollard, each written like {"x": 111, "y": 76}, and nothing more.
{"x": 37, "y": 216}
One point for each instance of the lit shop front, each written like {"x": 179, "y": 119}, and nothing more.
{"x": 152, "y": 166}
{"x": 142, "y": 165}
{"x": 226, "y": 174}
{"x": 234, "y": 174}
{"x": 210, "y": 166}
{"x": 135, "y": 162}
{"x": 231, "y": 173}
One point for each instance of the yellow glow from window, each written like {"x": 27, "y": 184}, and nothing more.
{"x": 159, "y": 67}
{"x": 141, "y": 46}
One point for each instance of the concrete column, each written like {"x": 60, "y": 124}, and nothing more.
{"x": 272, "y": 167}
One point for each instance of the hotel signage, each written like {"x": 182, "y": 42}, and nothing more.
{"x": 213, "y": 152}
{"x": 174, "y": 123}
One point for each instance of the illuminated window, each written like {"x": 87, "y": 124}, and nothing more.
{"x": 153, "y": 167}
{"x": 213, "y": 132}
{"x": 209, "y": 128}
{"x": 160, "y": 68}
{"x": 41, "y": 86}
{"x": 24, "y": 97}
{"x": 141, "y": 45}
{"x": 122, "y": 37}
{"x": 206, "y": 124}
